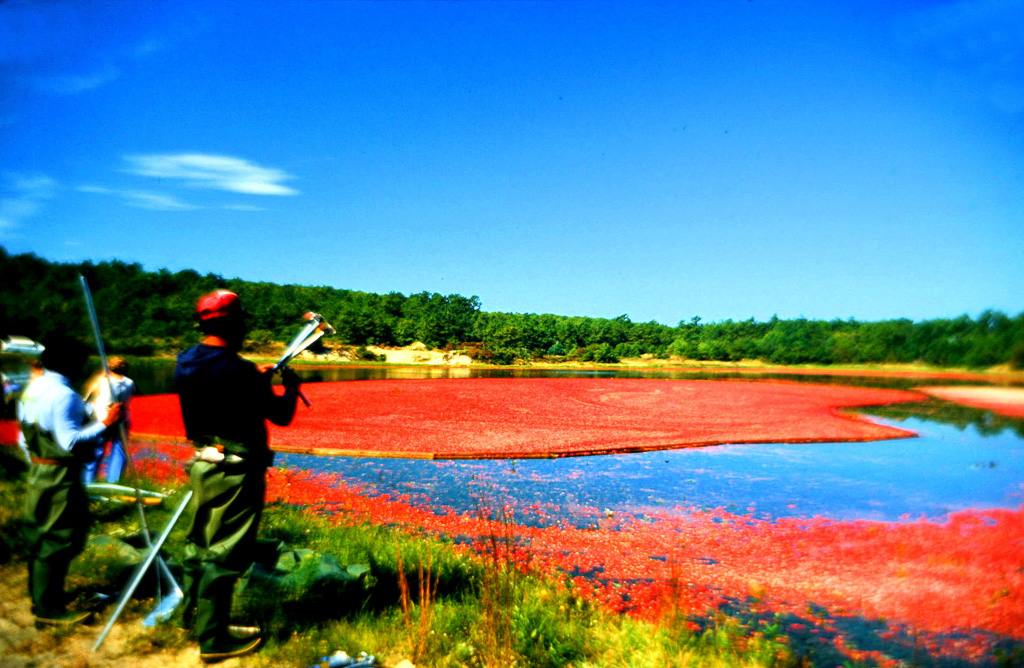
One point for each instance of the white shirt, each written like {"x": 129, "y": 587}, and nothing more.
{"x": 50, "y": 403}
{"x": 124, "y": 390}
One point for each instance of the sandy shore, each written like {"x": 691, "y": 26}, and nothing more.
{"x": 128, "y": 643}
{"x": 1007, "y": 401}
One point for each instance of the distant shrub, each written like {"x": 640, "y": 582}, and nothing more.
{"x": 1017, "y": 357}
{"x": 259, "y": 341}
{"x": 367, "y": 355}
{"x": 136, "y": 345}
{"x": 602, "y": 353}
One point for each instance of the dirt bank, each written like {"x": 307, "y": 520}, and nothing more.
{"x": 128, "y": 643}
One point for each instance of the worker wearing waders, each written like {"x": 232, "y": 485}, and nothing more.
{"x": 60, "y": 436}
{"x": 225, "y": 401}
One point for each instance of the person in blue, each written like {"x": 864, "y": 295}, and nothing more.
{"x": 225, "y": 403}
{"x": 60, "y": 436}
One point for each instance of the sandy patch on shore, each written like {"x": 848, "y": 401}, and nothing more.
{"x": 1007, "y": 401}
{"x": 418, "y": 353}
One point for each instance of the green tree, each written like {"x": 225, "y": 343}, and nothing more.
{"x": 144, "y": 311}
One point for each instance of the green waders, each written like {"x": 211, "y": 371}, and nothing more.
{"x": 57, "y": 519}
{"x": 227, "y": 500}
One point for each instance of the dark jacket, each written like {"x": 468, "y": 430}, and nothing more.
{"x": 226, "y": 400}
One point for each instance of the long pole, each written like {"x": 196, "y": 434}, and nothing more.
{"x": 122, "y": 432}
{"x": 164, "y": 572}
{"x": 141, "y": 569}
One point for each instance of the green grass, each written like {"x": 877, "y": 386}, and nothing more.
{"x": 416, "y": 598}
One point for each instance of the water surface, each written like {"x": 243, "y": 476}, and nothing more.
{"x": 945, "y": 469}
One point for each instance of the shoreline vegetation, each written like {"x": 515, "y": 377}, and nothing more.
{"x": 333, "y": 354}
{"x": 148, "y": 313}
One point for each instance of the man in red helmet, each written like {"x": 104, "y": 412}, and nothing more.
{"x": 225, "y": 402}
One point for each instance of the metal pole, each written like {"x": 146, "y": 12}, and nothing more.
{"x": 140, "y": 570}
{"x": 113, "y": 488}
{"x": 122, "y": 432}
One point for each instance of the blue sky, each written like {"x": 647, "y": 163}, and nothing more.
{"x": 720, "y": 158}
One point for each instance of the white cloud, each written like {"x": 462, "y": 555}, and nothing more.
{"x": 150, "y": 47}
{"x": 72, "y": 84}
{"x": 95, "y": 189}
{"x": 39, "y": 186}
{"x": 155, "y": 201}
{"x": 22, "y": 197}
{"x": 219, "y": 172}
{"x": 142, "y": 199}
{"x": 65, "y": 48}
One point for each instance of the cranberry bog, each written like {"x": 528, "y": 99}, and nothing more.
{"x": 854, "y": 539}
{"x": 487, "y": 418}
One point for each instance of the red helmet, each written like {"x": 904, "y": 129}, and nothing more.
{"x": 219, "y": 304}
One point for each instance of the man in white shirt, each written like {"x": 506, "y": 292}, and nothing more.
{"x": 60, "y": 436}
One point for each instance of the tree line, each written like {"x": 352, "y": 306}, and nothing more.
{"x": 151, "y": 312}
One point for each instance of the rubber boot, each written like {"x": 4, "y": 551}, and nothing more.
{"x": 213, "y": 612}
{"x": 46, "y": 586}
{"x": 64, "y": 619}
{"x": 216, "y": 642}
{"x": 189, "y": 585}
{"x": 229, "y": 649}
{"x": 46, "y": 582}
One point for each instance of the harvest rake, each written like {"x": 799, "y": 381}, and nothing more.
{"x": 314, "y": 329}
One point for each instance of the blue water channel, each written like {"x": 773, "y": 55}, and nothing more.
{"x": 945, "y": 469}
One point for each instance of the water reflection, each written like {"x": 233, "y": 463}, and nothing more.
{"x": 336, "y": 373}
{"x": 956, "y": 415}
{"x": 944, "y": 470}
{"x": 342, "y": 373}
